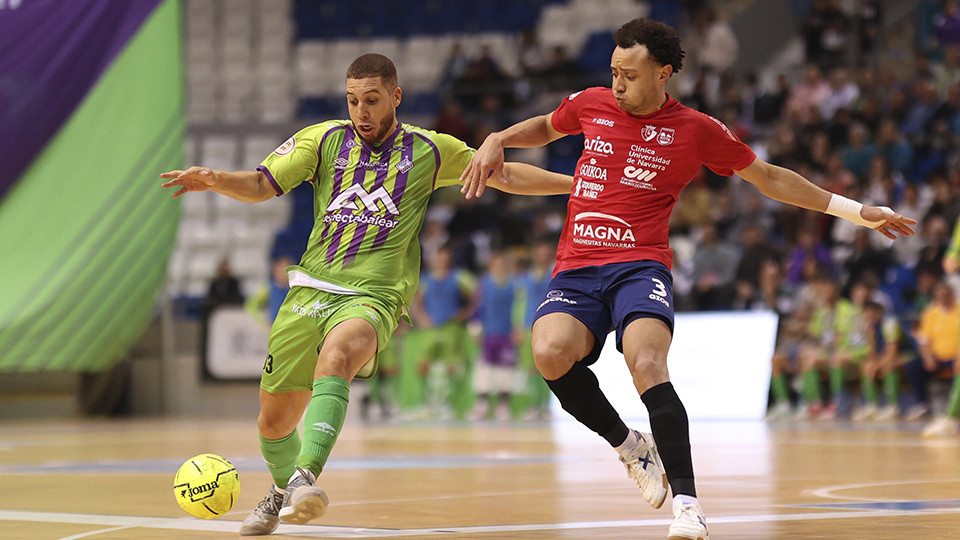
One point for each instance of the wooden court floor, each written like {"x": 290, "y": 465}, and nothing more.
{"x": 113, "y": 480}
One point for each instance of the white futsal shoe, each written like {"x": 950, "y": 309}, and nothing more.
{"x": 304, "y": 501}
{"x": 941, "y": 427}
{"x": 264, "y": 518}
{"x": 643, "y": 465}
{"x": 688, "y": 522}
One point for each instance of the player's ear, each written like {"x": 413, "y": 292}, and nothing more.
{"x": 397, "y": 95}
{"x": 665, "y": 72}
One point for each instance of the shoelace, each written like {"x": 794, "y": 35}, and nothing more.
{"x": 269, "y": 504}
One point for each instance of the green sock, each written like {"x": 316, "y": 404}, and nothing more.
{"x": 891, "y": 388}
{"x": 869, "y": 389}
{"x": 811, "y": 387}
{"x": 322, "y": 421}
{"x": 836, "y": 383}
{"x": 953, "y": 406}
{"x": 781, "y": 393}
{"x": 280, "y": 455}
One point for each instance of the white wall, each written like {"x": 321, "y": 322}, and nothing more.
{"x": 719, "y": 363}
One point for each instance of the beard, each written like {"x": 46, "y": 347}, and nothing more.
{"x": 381, "y": 131}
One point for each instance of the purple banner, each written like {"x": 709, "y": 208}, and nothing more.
{"x": 51, "y": 54}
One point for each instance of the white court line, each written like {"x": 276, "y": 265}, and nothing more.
{"x": 320, "y": 531}
{"x": 94, "y": 533}
{"x": 827, "y": 492}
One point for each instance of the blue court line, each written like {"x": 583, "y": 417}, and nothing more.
{"x": 255, "y": 464}
{"x": 886, "y": 505}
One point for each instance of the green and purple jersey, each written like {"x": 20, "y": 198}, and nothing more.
{"x": 369, "y": 202}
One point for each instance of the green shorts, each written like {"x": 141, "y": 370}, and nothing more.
{"x": 305, "y": 318}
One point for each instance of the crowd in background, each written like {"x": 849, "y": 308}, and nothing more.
{"x": 849, "y": 121}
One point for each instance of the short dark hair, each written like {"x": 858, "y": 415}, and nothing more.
{"x": 660, "y": 40}
{"x": 373, "y": 65}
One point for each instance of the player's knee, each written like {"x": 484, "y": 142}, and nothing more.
{"x": 275, "y": 424}
{"x": 552, "y": 358}
{"x": 648, "y": 366}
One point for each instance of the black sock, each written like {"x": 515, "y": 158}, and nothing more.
{"x": 579, "y": 393}
{"x": 671, "y": 431}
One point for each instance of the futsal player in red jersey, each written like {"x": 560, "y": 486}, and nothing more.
{"x": 641, "y": 147}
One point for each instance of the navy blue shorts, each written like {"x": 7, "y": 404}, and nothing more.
{"x": 610, "y": 297}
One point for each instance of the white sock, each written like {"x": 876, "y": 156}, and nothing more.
{"x": 684, "y": 500}
{"x": 629, "y": 443}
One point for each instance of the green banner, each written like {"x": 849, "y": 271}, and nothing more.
{"x": 86, "y": 233}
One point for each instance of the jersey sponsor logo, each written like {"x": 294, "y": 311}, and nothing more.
{"x": 590, "y": 170}
{"x": 375, "y": 165}
{"x": 404, "y": 165}
{"x": 587, "y": 189}
{"x": 286, "y": 147}
{"x": 598, "y": 146}
{"x": 618, "y": 234}
{"x": 574, "y": 95}
{"x": 313, "y": 311}
{"x": 347, "y": 199}
{"x": 638, "y": 178}
{"x": 555, "y": 296}
{"x": 666, "y": 136}
{"x": 341, "y": 163}
{"x": 647, "y": 158}
{"x": 603, "y": 122}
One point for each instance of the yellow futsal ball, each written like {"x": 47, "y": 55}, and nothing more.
{"x": 206, "y": 486}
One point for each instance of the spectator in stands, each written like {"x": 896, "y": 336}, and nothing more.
{"x": 265, "y": 304}
{"x": 807, "y": 95}
{"x": 938, "y": 339}
{"x": 807, "y": 248}
{"x": 450, "y": 120}
{"x": 440, "y": 309}
{"x": 947, "y": 424}
{"x": 825, "y": 29}
{"x": 858, "y": 154}
{"x": 946, "y": 24}
{"x": 534, "y": 286}
{"x": 495, "y": 376}
{"x": 793, "y": 332}
{"x": 842, "y": 93}
{"x": 894, "y": 147}
{"x": 454, "y": 68}
{"x": 714, "y": 268}
{"x": 224, "y": 289}
{"x": 562, "y": 73}
{"x": 882, "y": 362}
{"x": 946, "y": 73}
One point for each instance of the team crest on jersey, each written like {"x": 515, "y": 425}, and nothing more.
{"x": 286, "y": 147}
{"x": 666, "y": 136}
{"x": 404, "y": 165}
{"x": 648, "y": 132}
{"x": 341, "y": 163}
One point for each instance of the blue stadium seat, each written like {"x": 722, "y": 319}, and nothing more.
{"x": 321, "y": 108}
{"x": 427, "y": 103}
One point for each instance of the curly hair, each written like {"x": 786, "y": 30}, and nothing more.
{"x": 373, "y": 65}
{"x": 660, "y": 40}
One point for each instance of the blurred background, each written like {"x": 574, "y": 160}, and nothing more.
{"x": 117, "y": 300}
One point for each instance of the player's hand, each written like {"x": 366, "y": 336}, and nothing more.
{"x": 192, "y": 179}
{"x": 893, "y": 223}
{"x": 486, "y": 162}
{"x": 950, "y": 265}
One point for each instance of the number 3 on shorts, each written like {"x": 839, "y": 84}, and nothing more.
{"x": 658, "y": 288}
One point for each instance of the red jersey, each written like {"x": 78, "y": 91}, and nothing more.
{"x": 630, "y": 173}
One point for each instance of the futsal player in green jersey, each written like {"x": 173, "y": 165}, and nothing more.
{"x": 372, "y": 178}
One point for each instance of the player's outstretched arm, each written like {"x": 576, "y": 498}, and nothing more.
{"x": 246, "y": 186}
{"x": 488, "y": 160}
{"x": 525, "y": 179}
{"x": 787, "y": 186}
